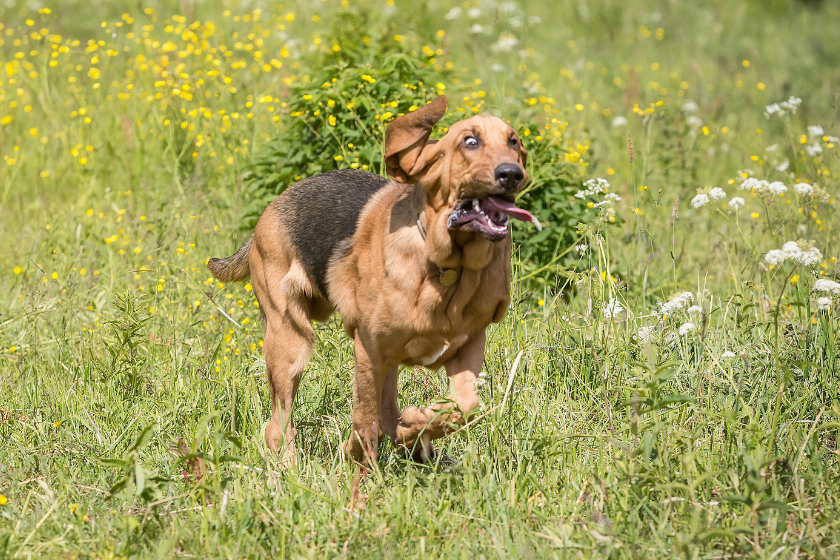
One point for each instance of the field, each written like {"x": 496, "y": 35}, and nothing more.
{"x": 665, "y": 383}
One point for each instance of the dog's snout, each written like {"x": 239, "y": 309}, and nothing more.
{"x": 509, "y": 176}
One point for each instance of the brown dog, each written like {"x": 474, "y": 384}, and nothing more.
{"x": 418, "y": 267}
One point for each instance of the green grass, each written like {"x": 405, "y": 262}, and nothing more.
{"x": 117, "y": 355}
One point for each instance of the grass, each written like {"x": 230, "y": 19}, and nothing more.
{"x": 132, "y": 391}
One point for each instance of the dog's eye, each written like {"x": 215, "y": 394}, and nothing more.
{"x": 471, "y": 142}
{"x": 513, "y": 143}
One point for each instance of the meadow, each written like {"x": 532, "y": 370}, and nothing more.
{"x": 665, "y": 383}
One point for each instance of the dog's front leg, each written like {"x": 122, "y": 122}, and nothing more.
{"x": 370, "y": 378}
{"x": 419, "y": 426}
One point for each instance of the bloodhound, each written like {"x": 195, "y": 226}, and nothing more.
{"x": 417, "y": 266}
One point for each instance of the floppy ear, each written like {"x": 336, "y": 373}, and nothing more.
{"x": 407, "y": 136}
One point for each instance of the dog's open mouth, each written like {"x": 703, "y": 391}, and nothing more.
{"x": 488, "y": 216}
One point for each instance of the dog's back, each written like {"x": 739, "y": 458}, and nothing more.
{"x": 320, "y": 212}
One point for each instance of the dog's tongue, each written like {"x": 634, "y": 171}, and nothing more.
{"x": 510, "y": 209}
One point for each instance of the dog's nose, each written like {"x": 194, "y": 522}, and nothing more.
{"x": 509, "y": 176}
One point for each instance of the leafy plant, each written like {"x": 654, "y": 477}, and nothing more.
{"x": 135, "y": 479}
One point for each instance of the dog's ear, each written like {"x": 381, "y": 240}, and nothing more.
{"x": 407, "y": 138}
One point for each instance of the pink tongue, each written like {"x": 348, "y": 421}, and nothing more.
{"x": 509, "y": 209}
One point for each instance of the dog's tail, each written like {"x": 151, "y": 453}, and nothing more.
{"x": 233, "y": 268}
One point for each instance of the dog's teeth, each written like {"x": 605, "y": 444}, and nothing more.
{"x": 475, "y": 205}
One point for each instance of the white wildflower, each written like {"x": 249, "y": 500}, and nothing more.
{"x": 694, "y": 309}
{"x": 797, "y": 251}
{"x": 783, "y": 166}
{"x": 686, "y": 328}
{"x": 814, "y": 150}
{"x": 676, "y": 303}
{"x": 717, "y": 193}
{"x": 694, "y": 121}
{"x": 803, "y": 189}
{"x": 758, "y": 186}
{"x": 496, "y": 67}
{"x": 581, "y": 248}
{"x": 515, "y": 21}
{"x": 777, "y": 187}
{"x": 824, "y": 303}
{"x": 833, "y": 139}
{"x": 481, "y": 381}
{"x": 454, "y": 13}
{"x": 619, "y": 122}
{"x": 736, "y": 203}
{"x": 612, "y": 196}
{"x": 474, "y": 13}
{"x": 700, "y": 200}
{"x": 534, "y": 20}
{"x": 593, "y": 187}
{"x": 774, "y": 108}
{"x": 612, "y": 309}
{"x": 645, "y": 334}
{"x": 815, "y": 131}
{"x": 792, "y": 104}
{"x": 771, "y": 148}
{"x": 477, "y": 28}
{"x": 689, "y": 107}
{"x": 828, "y": 286}
{"x": 728, "y": 355}
{"x": 775, "y": 257}
{"x": 508, "y": 7}
{"x": 505, "y": 43}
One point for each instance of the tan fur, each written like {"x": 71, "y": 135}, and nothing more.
{"x": 387, "y": 287}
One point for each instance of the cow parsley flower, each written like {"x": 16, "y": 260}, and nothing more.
{"x": 645, "y": 334}
{"x": 827, "y": 286}
{"x": 783, "y": 166}
{"x": 815, "y": 131}
{"x": 506, "y": 43}
{"x": 477, "y": 29}
{"x": 454, "y": 13}
{"x": 803, "y": 189}
{"x": 700, "y": 200}
{"x": 814, "y": 150}
{"x": 694, "y": 121}
{"x": 686, "y": 328}
{"x": 736, "y": 203}
{"x": 797, "y": 251}
{"x": 824, "y": 303}
{"x": 694, "y": 309}
{"x": 775, "y": 257}
{"x": 612, "y": 309}
{"x": 593, "y": 187}
{"x": 777, "y": 187}
{"x": 717, "y": 193}
{"x": 728, "y": 355}
{"x": 676, "y": 303}
{"x": 474, "y": 13}
{"x": 689, "y": 107}
{"x": 619, "y": 122}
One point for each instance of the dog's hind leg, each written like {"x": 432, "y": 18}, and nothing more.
{"x": 288, "y": 344}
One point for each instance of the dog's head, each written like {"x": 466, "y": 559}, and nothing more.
{"x": 474, "y": 171}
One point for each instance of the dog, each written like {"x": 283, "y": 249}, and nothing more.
{"x": 418, "y": 267}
